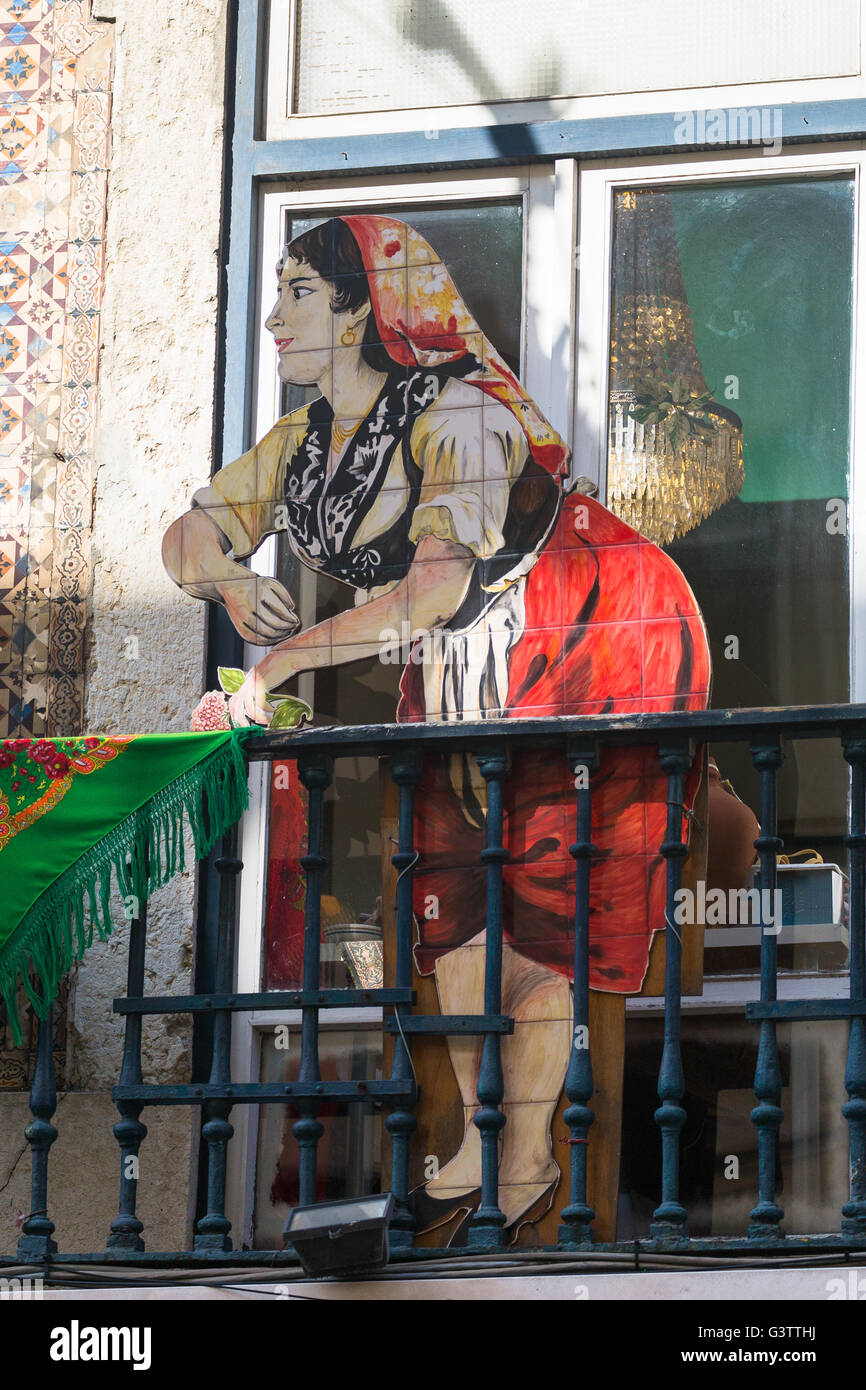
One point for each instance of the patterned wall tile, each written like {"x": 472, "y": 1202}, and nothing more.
{"x": 65, "y": 701}
{"x": 34, "y": 700}
{"x": 15, "y": 485}
{"x": 59, "y": 124}
{"x": 70, "y": 562}
{"x": 68, "y": 618}
{"x": 13, "y": 565}
{"x": 30, "y": 636}
{"x": 24, "y": 137}
{"x": 12, "y": 708}
{"x": 55, "y": 75}
{"x": 25, "y": 67}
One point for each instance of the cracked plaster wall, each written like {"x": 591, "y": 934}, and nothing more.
{"x": 146, "y": 641}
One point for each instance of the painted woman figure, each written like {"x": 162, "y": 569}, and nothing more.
{"x": 425, "y": 478}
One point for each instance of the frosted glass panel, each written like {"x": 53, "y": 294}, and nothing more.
{"x": 395, "y": 54}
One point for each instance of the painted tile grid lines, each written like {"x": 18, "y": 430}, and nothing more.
{"x": 55, "y": 71}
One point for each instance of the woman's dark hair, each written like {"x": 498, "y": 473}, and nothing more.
{"x": 332, "y": 252}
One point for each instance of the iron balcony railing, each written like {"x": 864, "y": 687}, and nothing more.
{"x": 676, "y": 736}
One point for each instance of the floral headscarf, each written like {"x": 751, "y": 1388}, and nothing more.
{"x": 423, "y": 321}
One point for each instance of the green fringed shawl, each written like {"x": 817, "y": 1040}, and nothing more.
{"x": 81, "y": 816}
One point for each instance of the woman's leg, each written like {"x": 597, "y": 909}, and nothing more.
{"x": 534, "y": 1062}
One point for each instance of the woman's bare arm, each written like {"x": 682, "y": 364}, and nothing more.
{"x": 430, "y": 594}
{"x": 194, "y": 554}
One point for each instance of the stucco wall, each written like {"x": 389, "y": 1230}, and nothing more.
{"x": 146, "y": 641}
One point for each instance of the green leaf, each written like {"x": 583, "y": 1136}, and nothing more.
{"x": 231, "y": 678}
{"x": 680, "y": 392}
{"x": 678, "y": 432}
{"x": 289, "y": 713}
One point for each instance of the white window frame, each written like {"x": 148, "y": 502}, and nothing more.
{"x": 547, "y": 366}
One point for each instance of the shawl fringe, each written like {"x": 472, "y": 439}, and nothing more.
{"x": 143, "y": 853}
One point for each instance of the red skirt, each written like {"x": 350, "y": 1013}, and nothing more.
{"x": 612, "y": 627}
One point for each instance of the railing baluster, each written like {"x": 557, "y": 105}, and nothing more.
{"x": 129, "y": 1131}
{"x": 212, "y": 1232}
{"x": 314, "y": 770}
{"x": 854, "y": 1211}
{"x": 767, "y": 1114}
{"x": 486, "y": 1226}
{"x": 401, "y": 1122}
{"x": 577, "y": 1217}
{"x": 38, "y": 1229}
{"x": 670, "y": 1219}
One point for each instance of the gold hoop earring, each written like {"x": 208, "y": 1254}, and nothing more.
{"x": 348, "y": 337}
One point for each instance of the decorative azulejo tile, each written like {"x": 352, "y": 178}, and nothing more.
{"x": 43, "y": 490}
{"x": 25, "y": 68}
{"x": 71, "y": 562}
{"x": 23, "y": 137}
{"x": 13, "y": 436}
{"x": 13, "y": 545}
{"x": 55, "y": 66}
{"x": 8, "y": 624}
{"x": 74, "y": 491}
{"x": 13, "y": 711}
{"x": 28, "y": 357}
{"x": 75, "y": 33}
{"x": 65, "y": 709}
{"x": 15, "y": 486}
{"x": 68, "y": 622}
{"x": 36, "y": 562}
{"x": 87, "y": 206}
{"x": 43, "y": 419}
{"x": 30, "y": 635}
{"x": 59, "y": 122}
{"x": 34, "y": 700}
{"x": 17, "y": 268}
{"x": 90, "y": 144}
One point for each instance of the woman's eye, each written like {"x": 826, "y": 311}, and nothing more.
{"x": 300, "y": 291}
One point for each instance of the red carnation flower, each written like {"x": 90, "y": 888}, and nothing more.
{"x": 43, "y": 751}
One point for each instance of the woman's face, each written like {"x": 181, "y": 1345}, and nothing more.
{"x": 304, "y": 325}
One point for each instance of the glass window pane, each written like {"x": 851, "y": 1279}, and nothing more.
{"x": 738, "y": 297}
{"x": 719, "y": 1174}
{"x": 400, "y": 54}
{"x": 350, "y": 1150}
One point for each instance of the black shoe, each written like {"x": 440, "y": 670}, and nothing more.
{"x": 430, "y": 1212}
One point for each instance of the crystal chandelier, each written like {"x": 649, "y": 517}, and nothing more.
{"x": 675, "y": 455}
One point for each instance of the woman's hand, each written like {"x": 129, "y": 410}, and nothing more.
{"x": 261, "y": 609}
{"x": 249, "y": 705}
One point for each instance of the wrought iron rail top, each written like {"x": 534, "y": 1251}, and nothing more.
{"x": 704, "y": 726}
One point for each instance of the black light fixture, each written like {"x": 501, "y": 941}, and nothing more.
{"x": 345, "y": 1237}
